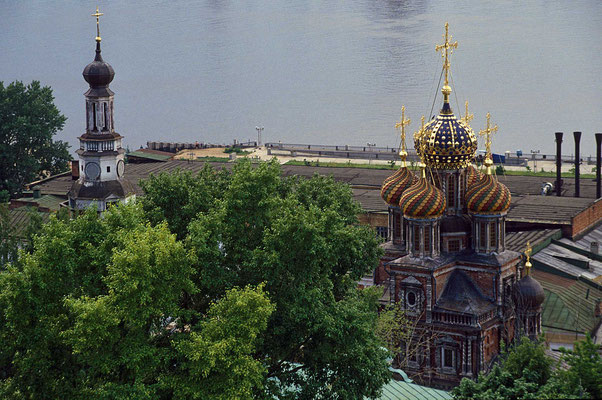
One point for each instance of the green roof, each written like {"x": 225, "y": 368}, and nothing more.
{"x": 150, "y": 156}
{"x": 400, "y": 390}
{"x": 566, "y": 308}
{"x": 19, "y": 220}
{"x": 48, "y": 201}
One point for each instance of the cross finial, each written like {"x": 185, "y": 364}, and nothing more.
{"x": 467, "y": 117}
{"x": 528, "y": 252}
{"x": 487, "y": 132}
{"x": 446, "y": 51}
{"x": 97, "y": 14}
{"x": 401, "y": 125}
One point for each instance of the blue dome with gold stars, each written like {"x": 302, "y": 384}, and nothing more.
{"x": 446, "y": 142}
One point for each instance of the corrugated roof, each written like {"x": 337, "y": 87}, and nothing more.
{"x": 516, "y": 241}
{"x": 569, "y": 304}
{"x": 19, "y": 220}
{"x": 150, "y": 156}
{"x": 401, "y": 390}
{"x": 48, "y": 201}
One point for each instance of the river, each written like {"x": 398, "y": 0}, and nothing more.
{"x": 315, "y": 71}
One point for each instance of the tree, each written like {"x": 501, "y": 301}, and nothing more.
{"x": 28, "y": 121}
{"x": 525, "y": 372}
{"x": 302, "y": 238}
{"x": 96, "y": 311}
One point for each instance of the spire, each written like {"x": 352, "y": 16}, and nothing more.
{"x": 97, "y": 14}
{"x": 487, "y": 132}
{"x": 401, "y": 125}
{"x": 446, "y": 50}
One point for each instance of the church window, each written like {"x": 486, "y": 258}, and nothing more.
{"x": 482, "y": 235}
{"x": 448, "y": 358}
{"x": 453, "y": 246}
{"x": 106, "y": 108}
{"x": 462, "y": 190}
{"x": 396, "y": 226}
{"x": 108, "y": 168}
{"x": 382, "y": 231}
{"x": 94, "y": 116}
{"x": 411, "y": 299}
{"x": 417, "y": 239}
{"x": 427, "y": 239}
{"x": 451, "y": 191}
{"x": 492, "y": 236}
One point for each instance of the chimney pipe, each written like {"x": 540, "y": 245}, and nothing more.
{"x": 594, "y": 247}
{"x": 598, "y": 164}
{"x": 577, "y": 136}
{"x": 558, "y": 163}
{"x": 37, "y": 192}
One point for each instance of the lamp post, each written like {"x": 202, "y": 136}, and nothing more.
{"x": 370, "y": 146}
{"x": 259, "y": 130}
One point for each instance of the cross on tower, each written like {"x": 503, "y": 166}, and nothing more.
{"x": 467, "y": 117}
{"x": 446, "y": 51}
{"x": 487, "y": 132}
{"x": 97, "y": 14}
{"x": 527, "y": 253}
{"x": 402, "y": 126}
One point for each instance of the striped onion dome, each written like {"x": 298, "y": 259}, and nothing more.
{"x": 422, "y": 200}
{"x": 394, "y": 186}
{"x": 473, "y": 175}
{"x": 488, "y": 196}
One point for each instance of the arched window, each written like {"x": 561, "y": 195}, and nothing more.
{"x": 492, "y": 235}
{"x": 483, "y": 235}
{"x": 106, "y": 107}
{"x": 417, "y": 239}
{"x": 427, "y": 239}
{"x": 93, "y": 116}
{"x": 451, "y": 191}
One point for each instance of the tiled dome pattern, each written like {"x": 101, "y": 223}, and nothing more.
{"x": 446, "y": 142}
{"x": 422, "y": 200}
{"x": 394, "y": 186}
{"x": 488, "y": 196}
{"x": 473, "y": 176}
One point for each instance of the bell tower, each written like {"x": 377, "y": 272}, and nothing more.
{"x": 101, "y": 156}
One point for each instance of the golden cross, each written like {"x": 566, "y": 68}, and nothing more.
{"x": 528, "y": 265}
{"x": 467, "y": 117}
{"x": 402, "y": 126}
{"x": 97, "y": 14}
{"x": 446, "y": 51}
{"x": 487, "y": 133}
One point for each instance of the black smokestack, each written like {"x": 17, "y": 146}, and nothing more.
{"x": 598, "y": 162}
{"x": 558, "y": 163}
{"x": 577, "y": 136}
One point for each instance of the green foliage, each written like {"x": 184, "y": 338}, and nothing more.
{"x": 525, "y": 372}
{"x": 8, "y": 243}
{"x": 499, "y": 170}
{"x": 97, "y": 311}
{"x": 28, "y": 121}
{"x": 236, "y": 150}
{"x": 300, "y": 237}
{"x": 221, "y": 285}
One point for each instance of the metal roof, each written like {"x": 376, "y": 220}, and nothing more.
{"x": 401, "y": 390}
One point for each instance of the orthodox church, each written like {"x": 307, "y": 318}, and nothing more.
{"x": 445, "y": 260}
{"x": 101, "y": 157}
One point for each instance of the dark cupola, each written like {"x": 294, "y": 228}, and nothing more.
{"x": 98, "y": 73}
{"x": 529, "y": 297}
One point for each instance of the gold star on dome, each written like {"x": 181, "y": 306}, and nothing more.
{"x": 401, "y": 125}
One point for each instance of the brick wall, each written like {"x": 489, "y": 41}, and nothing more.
{"x": 586, "y": 219}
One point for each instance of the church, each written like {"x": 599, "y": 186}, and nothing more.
{"x": 101, "y": 166}
{"x": 445, "y": 261}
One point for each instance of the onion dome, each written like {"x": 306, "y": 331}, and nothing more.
{"x": 473, "y": 176}
{"x": 98, "y": 73}
{"x": 446, "y": 142}
{"x": 488, "y": 196}
{"x": 394, "y": 186}
{"x": 422, "y": 200}
{"x": 528, "y": 293}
